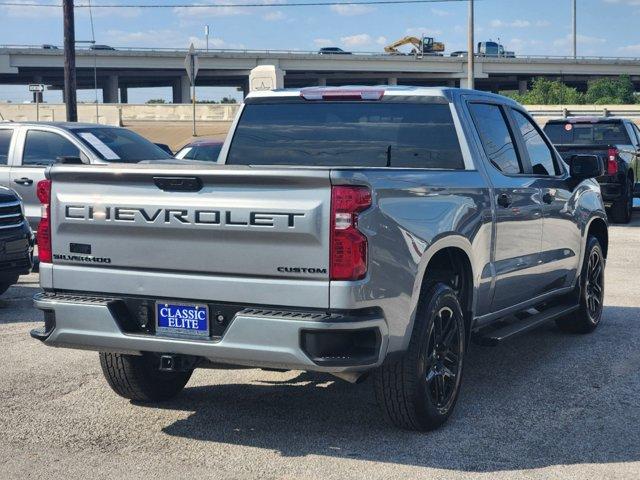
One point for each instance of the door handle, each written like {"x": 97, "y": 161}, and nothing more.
{"x": 23, "y": 181}
{"x": 548, "y": 198}
{"x": 504, "y": 200}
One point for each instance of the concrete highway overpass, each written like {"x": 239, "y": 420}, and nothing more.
{"x": 122, "y": 69}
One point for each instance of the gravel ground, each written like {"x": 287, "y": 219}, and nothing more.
{"x": 545, "y": 405}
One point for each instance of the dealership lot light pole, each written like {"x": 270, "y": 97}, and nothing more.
{"x": 69, "y": 61}
{"x": 575, "y": 30}
{"x": 470, "y": 55}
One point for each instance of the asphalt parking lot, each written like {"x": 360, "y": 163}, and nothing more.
{"x": 545, "y": 405}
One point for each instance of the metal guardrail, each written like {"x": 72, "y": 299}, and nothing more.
{"x": 316, "y": 52}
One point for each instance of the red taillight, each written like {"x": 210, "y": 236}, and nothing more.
{"x": 612, "y": 161}
{"x": 43, "y": 190}
{"x": 348, "y": 251}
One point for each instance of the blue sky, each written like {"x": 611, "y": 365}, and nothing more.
{"x": 543, "y": 27}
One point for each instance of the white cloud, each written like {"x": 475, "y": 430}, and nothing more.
{"x": 200, "y": 12}
{"x": 582, "y": 40}
{"x": 381, "y": 40}
{"x": 357, "y": 40}
{"x": 323, "y": 42}
{"x": 513, "y": 24}
{"x": 518, "y": 23}
{"x": 440, "y": 13}
{"x": 274, "y": 16}
{"x": 164, "y": 38}
{"x": 630, "y": 49}
{"x": 351, "y": 10}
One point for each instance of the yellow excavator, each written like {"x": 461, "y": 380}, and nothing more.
{"x": 424, "y": 46}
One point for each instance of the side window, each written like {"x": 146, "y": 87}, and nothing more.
{"x": 541, "y": 156}
{"x": 5, "y": 142}
{"x": 42, "y": 148}
{"x": 496, "y": 138}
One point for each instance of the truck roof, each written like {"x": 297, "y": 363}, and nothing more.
{"x": 63, "y": 125}
{"x": 395, "y": 90}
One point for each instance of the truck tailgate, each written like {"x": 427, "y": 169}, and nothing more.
{"x": 231, "y": 222}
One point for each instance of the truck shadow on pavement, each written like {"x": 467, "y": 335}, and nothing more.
{"x": 543, "y": 399}
{"x": 19, "y": 298}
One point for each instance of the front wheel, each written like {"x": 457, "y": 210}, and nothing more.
{"x": 587, "y": 318}
{"x": 420, "y": 390}
{"x": 5, "y": 284}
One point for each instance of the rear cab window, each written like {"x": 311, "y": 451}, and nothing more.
{"x": 347, "y": 134}
{"x": 588, "y": 133}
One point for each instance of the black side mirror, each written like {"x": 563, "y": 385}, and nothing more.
{"x": 586, "y": 166}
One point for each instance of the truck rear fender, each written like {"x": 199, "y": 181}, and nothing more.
{"x": 456, "y": 247}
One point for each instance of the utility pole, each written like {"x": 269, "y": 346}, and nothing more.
{"x": 575, "y": 31}
{"x": 69, "y": 61}
{"x": 206, "y": 35}
{"x": 470, "y": 49}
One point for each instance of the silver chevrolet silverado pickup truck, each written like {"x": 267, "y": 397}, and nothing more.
{"x": 353, "y": 231}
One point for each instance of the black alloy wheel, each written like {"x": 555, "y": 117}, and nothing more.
{"x": 443, "y": 359}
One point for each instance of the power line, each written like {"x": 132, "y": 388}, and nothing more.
{"x": 230, "y": 5}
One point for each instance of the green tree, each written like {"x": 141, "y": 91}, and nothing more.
{"x": 549, "y": 92}
{"x": 156, "y": 100}
{"x": 228, "y": 100}
{"x": 613, "y": 91}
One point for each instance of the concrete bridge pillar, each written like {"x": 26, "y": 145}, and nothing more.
{"x": 392, "y": 81}
{"x": 110, "y": 90}
{"x": 522, "y": 87}
{"x": 182, "y": 90}
{"x": 124, "y": 95}
{"x": 322, "y": 82}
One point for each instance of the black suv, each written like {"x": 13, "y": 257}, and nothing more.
{"x": 616, "y": 141}
{"x": 16, "y": 240}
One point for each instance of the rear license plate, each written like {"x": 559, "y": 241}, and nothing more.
{"x": 178, "y": 319}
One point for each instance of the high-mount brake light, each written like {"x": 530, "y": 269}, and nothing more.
{"x": 43, "y": 191}
{"x": 612, "y": 161}
{"x": 348, "y": 250}
{"x": 322, "y": 93}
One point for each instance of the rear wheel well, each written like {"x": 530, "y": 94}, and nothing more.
{"x": 452, "y": 266}
{"x": 598, "y": 229}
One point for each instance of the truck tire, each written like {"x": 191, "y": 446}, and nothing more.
{"x": 587, "y": 318}
{"x": 419, "y": 390}
{"x": 137, "y": 377}
{"x": 4, "y": 286}
{"x": 622, "y": 210}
